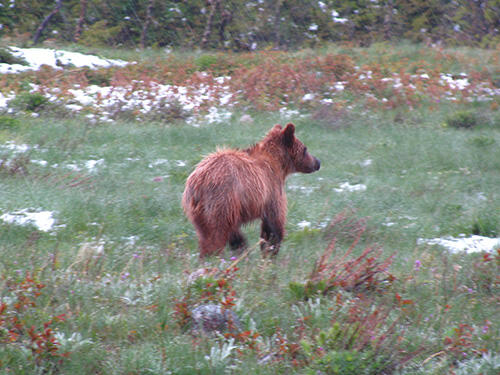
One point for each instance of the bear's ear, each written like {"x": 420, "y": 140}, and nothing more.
{"x": 289, "y": 134}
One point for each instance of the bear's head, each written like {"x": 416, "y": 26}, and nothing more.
{"x": 297, "y": 158}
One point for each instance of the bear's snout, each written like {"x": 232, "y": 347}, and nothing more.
{"x": 317, "y": 164}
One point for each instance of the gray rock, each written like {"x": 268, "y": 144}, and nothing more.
{"x": 211, "y": 318}
{"x": 246, "y": 118}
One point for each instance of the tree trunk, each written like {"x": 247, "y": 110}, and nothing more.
{"x": 208, "y": 28}
{"x": 81, "y": 20}
{"x": 479, "y": 24}
{"x": 277, "y": 24}
{"x": 388, "y": 22}
{"x": 226, "y": 19}
{"x": 46, "y": 21}
{"x": 147, "y": 21}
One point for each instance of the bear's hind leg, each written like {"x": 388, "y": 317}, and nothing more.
{"x": 237, "y": 242}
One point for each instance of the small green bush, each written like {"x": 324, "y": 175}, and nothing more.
{"x": 482, "y": 141}
{"x": 28, "y": 101}
{"x": 6, "y": 57}
{"x": 101, "y": 34}
{"x": 346, "y": 363}
{"x": 308, "y": 290}
{"x": 486, "y": 225}
{"x": 462, "y": 120}
{"x": 205, "y": 62}
{"x": 99, "y": 77}
{"x": 8, "y": 122}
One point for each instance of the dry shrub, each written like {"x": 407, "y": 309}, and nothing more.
{"x": 17, "y": 166}
{"x": 23, "y": 326}
{"x": 331, "y": 115}
{"x": 346, "y": 225}
{"x": 366, "y": 272}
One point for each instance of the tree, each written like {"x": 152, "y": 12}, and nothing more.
{"x": 46, "y": 21}
{"x": 81, "y": 19}
{"x": 147, "y": 21}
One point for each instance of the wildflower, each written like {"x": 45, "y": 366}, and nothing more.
{"x": 418, "y": 264}
{"x": 234, "y": 258}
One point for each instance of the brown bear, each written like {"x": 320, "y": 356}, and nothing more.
{"x": 232, "y": 187}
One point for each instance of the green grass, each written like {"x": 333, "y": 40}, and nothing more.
{"x": 426, "y": 179}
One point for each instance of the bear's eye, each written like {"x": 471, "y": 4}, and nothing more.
{"x": 305, "y": 151}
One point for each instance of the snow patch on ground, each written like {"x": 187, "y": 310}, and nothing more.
{"x": 14, "y": 147}
{"x": 304, "y": 224}
{"x": 307, "y": 190}
{"x": 36, "y": 57}
{"x": 43, "y": 220}
{"x": 473, "y": 244}
{"x": 144, "y": 99}
{"x": 347, "y": 187}
{"x": 90, "y": 165}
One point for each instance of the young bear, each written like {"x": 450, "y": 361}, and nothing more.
{"x": 232, "y": 187}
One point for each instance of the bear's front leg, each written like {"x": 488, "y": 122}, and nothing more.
{"x": 272, "y": 232}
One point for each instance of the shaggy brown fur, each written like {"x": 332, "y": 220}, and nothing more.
{"x": 232, "y": 187}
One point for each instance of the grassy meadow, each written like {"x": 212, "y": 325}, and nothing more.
{"x": 107, "y": 290}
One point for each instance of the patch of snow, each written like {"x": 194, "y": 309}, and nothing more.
{"x": 157, "y": 162}
{"x": 339, "y": 86}
{"x": 455, "y": 83}
{"x": 4, "y": 100}
{"x": 73, "y": 167}
{"x": 340, "y": 20}
{"x": 480, "y": 196}
{"x": 43, "y": 220}
{"x": 308, "y": 97}
{"x": 148, "y": 98}
{"x": 366, "y": 163}
{"x": 303, "y": 189}
{"x": 14, "y": 147}
{"x": 131, "y": 240}
{"x": 288, "y": 113}
{"x": 36, "y": 57}
{"x": 216, "y": 115}
{"x": 43, "y": 163}
{"x": 304, "y": 224}
{"x": 92, "y": 165}
{"x": 472, "y": 244}
{"x": 347, "y": 187}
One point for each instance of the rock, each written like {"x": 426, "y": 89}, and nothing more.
{"x": 246, "y": 118}
{"x": 201, "y": 272}
{"x": 211, "y": 318}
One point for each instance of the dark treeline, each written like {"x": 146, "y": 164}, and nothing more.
{"x": 251, "y": 24}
